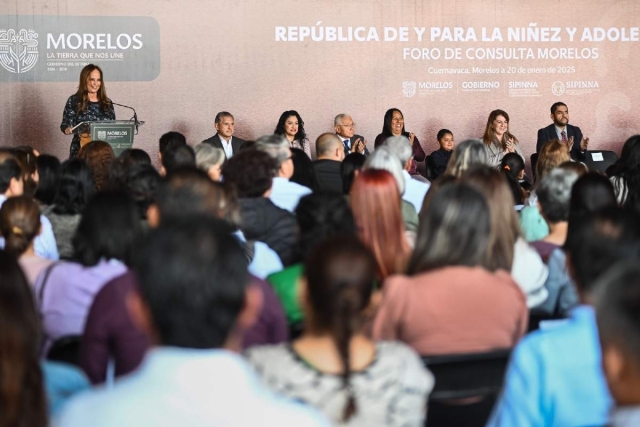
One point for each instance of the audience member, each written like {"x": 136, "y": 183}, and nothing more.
{"x": 210, "y": 159}
{"x": 48, "y": 174}
{"x": 559, "y": 369}
{"x": 349, "y": 169}
{"x": 285, "y": 194}
{"x": 176, "y": 156}
{"x": 618, "y": 299}
{"x": 142, "y": 185}
{"x": 98, "y": 155}
{"x": 578, "y": 168}
{"x": 452, "y": 300}
{"x": 291, "y": 127}
{"x": 384, "y": 159}
{"x": 334, "y": 366}
{"x": 512, "y": 167}
{"x": 466, "y": 154}
{"x": 414, "y": 190}
{"x": 303, "y": 172}
{"x": 375, "y": 202}
{"x": 169, "y": 139}
{"x": 394, "y": 126}
{"x": 510, "y": 252}
{"x": 345, "y": 130}
{"x": 330, "y": 154}
{"x": 498, "y": 140}
{"x": 224, "y": 139}
{"x": 553, "y": 154}
{"x": 103, "y": 244}
{"x": 31, "y": 390}
{"x": 554, "y": 196}
{"x": 11, "y": 185}
{"x": 28, "y": 159}
{"x": 626, "y": 180}
{"x": 319, "y": 216}
{"x": 75, "y": 188}
{"x": 442, "y": 155}
{"x": 19, "y": 225}
{"x": 135, "y": 157}
{"x": 195, "y": 301}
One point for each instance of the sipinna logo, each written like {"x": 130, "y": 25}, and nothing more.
{"x": 409, "y": 88}
{"x": 18, "y": 50}
{"x": 557, "y": 88}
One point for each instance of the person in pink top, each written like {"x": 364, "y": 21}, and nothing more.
{"x": 451, "y": 301}
{"x": 19, "y": 225}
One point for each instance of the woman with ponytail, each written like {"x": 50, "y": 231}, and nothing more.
{"x": 334, "y": 366}
{"x": 19, "y": 225}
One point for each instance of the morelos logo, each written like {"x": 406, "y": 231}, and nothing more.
{"x": 18, "y": 51}
{"x": 409, "y": 88}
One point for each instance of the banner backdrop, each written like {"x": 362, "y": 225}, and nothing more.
{"x": 443, "y": 63}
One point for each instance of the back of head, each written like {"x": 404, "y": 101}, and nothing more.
{"x": 190, "y": 192}
{"x": 142, "y": 185}
{"x": 98, "y": 155}
{"x": 49, "y": 174}
{"x": 375, "y": 202}
{"x": 327, "y": 144}
{"x": 19, "y": 223}
{"x": 208, "y": 156}
{"x": 455, "y": 230}
{"x": 171, "y": 138}
{"x": 578, "y": 168}
{"x": 9, "y": 169}
{"x": 250, "y": 173}
{"x": 552, "y": 154}
{"x": 399, "y": 147}
{"x": 591, "y": 192}
{"x": 383, "y": 159}
{"x": 511, "y": 167}
{"x": 505, "y": 227}
{"x": 75, "y": 187}
{"x": 596, "y": 241}
{"x": 469, "y": 152}
{"x": 178, "y": 156}
{"x": 192, "y": 277}
{"x": 352, "y": 162}
{"x": 554, "y": 194}
{"x": 22, "y": 397}
{"x": 340, "y": 274}
{"x": 108, "y": 229}
{"x": 617, "y": 308}
{"x": 275, "y": 146}
{"x": 630, "y": 171}
{"x": 27, "y": 158}
{"x": 321, "y": 215}
{"x": 135, "y": 157}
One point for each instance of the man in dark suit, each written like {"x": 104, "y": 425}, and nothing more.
{"x": 344, "y": 126}
{"x": 563, "y": 131}
{"x": 224, "y": 137}
{"x": 330, "y": 153}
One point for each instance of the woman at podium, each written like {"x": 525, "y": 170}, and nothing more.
{"x": 89, "y": 103}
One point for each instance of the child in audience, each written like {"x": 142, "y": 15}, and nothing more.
{"x": 19, "y": 225}
{"x": 618, "y": 302}
{"x": 333, "y": 366}
{"x": 443, "y": 154}
{"x": 512, "y": 167}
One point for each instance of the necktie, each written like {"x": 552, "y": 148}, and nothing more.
{"x": 564, "y": 136}
{"x": 346, "y": 145}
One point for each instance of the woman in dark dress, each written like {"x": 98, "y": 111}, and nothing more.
{"x": 394, "y": 126}
{"x": 89, "y": 103}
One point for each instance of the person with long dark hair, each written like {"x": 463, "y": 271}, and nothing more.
{"x": 291, "y": 126}
{"x": 334, "y": 366}
{"x": 512, "y": 167}
{"x": 497, "y": 138}
{"x": 89, "y": 103}
{"x": 48, "y": 174}
{"x": 626, "y": 181}
{"x": 394, "y": 126}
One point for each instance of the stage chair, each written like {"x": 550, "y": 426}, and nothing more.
{"x": 608, "y": 158}
{"x": 466, "y": 387}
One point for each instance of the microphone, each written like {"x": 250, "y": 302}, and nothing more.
{"x": 135, "y": 115}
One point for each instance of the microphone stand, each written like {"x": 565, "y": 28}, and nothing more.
{"x": 135, "y": 115}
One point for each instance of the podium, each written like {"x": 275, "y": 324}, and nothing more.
{"x": 117, "y": 133}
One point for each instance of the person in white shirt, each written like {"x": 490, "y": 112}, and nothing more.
{"x": 414, "y": 190}
{"x": 194, "y": 299}
{"x": 284, "y": 193}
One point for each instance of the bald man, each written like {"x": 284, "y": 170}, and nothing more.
{"x": 330, "y": 153}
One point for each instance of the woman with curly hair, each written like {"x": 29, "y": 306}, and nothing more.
{"x": 291, "y": 126}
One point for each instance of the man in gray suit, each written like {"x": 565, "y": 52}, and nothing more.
{"x": 344, "y": 127}
{"x": 224, "y": 137}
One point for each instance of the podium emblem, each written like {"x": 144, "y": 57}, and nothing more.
{"x": 18, "y": 50}
{"x": 102, "y": 134}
